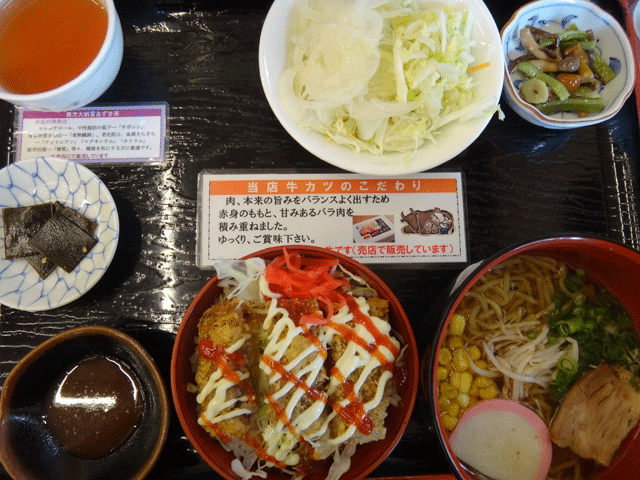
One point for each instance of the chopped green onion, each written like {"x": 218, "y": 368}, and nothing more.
{"x": 568, "y": 364}
{"x": 262, "y": 411}
{"x": 568, "y": 326}
{"x": 574, "y": 282}
{"x": 579, "y": 312}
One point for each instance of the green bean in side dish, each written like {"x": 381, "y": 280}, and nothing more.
{"x": 563, "y": 72}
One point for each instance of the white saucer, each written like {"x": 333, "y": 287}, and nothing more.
{"x": 42, "y": 180}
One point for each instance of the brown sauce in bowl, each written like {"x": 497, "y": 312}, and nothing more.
{"x": 94, "y": 408}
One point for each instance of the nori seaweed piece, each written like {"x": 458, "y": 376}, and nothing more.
{"x": 41, "y": 264}
{"x": 63, "y": 242}
{"x": 76, "y": 217}
{"x": 20, "y": 225}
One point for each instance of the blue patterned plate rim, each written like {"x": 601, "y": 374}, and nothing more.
{"x": 40, "y": 180}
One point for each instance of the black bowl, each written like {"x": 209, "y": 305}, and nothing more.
{"x": 29, "y": 451}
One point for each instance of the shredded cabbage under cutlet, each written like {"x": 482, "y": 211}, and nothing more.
{"x": 381, "y": 76}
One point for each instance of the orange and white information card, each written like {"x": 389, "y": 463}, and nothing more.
{"x": 414, "y": 219}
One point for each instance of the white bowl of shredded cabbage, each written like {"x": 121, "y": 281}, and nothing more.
{"x": 382, "y": 87}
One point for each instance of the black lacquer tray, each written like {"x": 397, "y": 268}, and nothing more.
{"x": 201, "y": 57}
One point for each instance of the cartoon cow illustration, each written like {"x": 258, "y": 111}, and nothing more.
{"x": 424, "y": 222}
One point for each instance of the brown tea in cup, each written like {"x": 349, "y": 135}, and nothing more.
{"x": 47, "y": 43}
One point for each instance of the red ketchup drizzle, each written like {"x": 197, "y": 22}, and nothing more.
{"x": 380, "y": 339}
{"x": 322, "y": 351}
{"x": 282, "y": 416}
{"x": 286, "y": 275}
{"x": 218, "y": 355}
{"x": 218, "y": 431}
{"x": 277, "y": 367}
{"x": 297, "y": 308}
{"x": 261, "y": 452}
{"x": 353, "y": 413}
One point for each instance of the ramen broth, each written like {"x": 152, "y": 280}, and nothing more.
{"x": 511, "y": 305}
{"x": 47, "y": 43}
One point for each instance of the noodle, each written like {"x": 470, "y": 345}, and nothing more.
{"x": 507, "y": 318}
{"x": 506, "y": 314}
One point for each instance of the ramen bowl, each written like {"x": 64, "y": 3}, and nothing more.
{"x": 555, "y": 16}
{"x": 88, "y": 85}
{"x": 367, "y": 456}
{"x": 449, "y": 141}
{"x": 612, "y": 266}
{"x": 33, "y": 447}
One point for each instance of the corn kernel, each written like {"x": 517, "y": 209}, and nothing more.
{"x": 443, "y": 403}
{"x": 444, "y": 388}
{"x": 448, "y": 390}
{"x": 452, "y": 393}
{"x": 448, "y": 422}
{"x": 453, "y": 409}
{"x": 466, "y": 381}
{"x": 442, "y": 373}
{"x": 474, "y": 390}
{"x": 481, "y": 364}
{"x": 455, "y": 379}
{"x": 457, "y": 324}
{"x": 461, "y": 381}
{"x": 455, "y": 342}
{"x": 482, "y": 381}
{"x": 460, "y": 360}
{"x": 474, "y": 353}
{"x": 463, "y": 400}
{"x": 444, "y": 356}
{"x": 489, "y": 392}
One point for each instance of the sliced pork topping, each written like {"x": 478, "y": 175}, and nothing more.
{"x": 597, "y": 413}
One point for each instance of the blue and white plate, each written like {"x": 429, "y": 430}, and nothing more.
{"x": 42, "y": 180}
{"x": 554, "y": 16}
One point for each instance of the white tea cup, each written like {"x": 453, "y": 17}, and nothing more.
{"x": 87, "y": 86}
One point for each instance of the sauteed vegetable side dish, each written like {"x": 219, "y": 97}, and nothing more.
{"x": 295, "y": 364}
{"x": 535, "y": 331}
{"x": 563, "y": 71}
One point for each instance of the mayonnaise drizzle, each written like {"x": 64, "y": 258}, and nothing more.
{"x": 220, "y": 385}
{"x": 309, "y": 363}
{"x": 297, "y": 376}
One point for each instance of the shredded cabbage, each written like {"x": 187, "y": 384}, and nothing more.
{"x": 380, "y": 76}
{"x": 238, "y": 278}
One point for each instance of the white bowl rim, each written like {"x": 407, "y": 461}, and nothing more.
{"x": 398, "y": 164}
